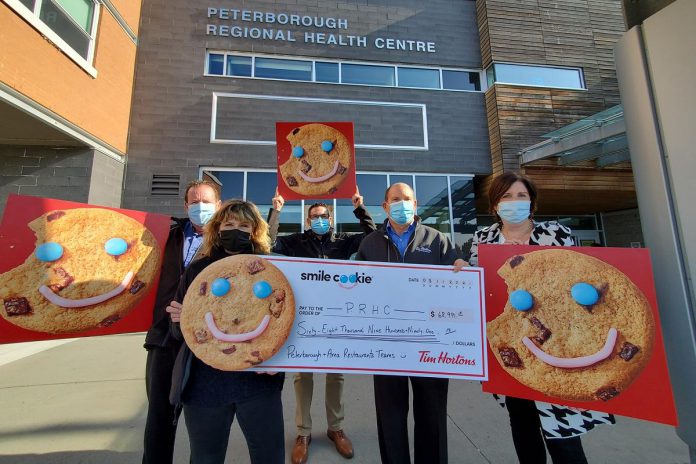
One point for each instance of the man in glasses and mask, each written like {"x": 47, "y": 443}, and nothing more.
{"x": 403, "y": 239}
{"x": 319, "y": 240}
{"x": 201, "y": 200}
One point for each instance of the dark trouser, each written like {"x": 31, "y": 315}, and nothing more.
{"x": 261, "y": 421}
{"x": 429, "y": 415}
{"x": 529, "y": 439}
{"x": 159, "y": 427}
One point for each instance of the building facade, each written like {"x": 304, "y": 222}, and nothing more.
{"x": 66, "y": 81}
{"x": 213, "y": 79}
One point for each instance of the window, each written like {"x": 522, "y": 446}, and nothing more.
{"x": 541, "y": 76}
{"x": 216, "y": 64}
{"x": 461, "y": 80}
{"x": 235, "y": 64}
{"x": 326, "y": 72}
{"x": 283, "y": 69}
{"x": 445, "y": 202}
{"x": 70, "y": 24}
{"x": 367, "y": 74}
{"x": 238, "y": 65}
{"x": 418, "y": 77}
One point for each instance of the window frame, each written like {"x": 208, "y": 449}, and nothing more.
{"x": 581, "y": 74}
{"x": 333, "y": 203}
{"x": 314, "y": 60}
{"x": 32, "y": 17}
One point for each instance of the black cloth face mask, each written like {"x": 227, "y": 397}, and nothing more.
{"x": 236, "y": 241}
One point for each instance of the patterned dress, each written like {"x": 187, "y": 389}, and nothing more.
{"x": 556, "y": 421}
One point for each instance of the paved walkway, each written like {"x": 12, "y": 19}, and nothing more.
{"x": 83, "y": 401}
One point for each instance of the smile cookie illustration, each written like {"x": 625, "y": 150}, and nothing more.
{"x": 237, "y": 312}
{"x": 574, "y": 327}
{"x": 320, "y": 159}
{"x": 90, "y": 267}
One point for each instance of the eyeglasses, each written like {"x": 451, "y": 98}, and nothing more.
{"x": 317, "y": 216}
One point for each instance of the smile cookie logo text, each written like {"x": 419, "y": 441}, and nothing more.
{"x": 346, "y": 281}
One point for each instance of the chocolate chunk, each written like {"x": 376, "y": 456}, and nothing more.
{"x": 306, "y": 167}
{"x": 607, "y": 393}
{"x": 295, "y": 130}
{"x": 255, "y": 353}
{"x": 628, "y": 351}
{"x": 136, "y": 286}
{"x": 236, "y": 321}
{"x": 277, "y": 302}
{"x": 17, "y": 306}
{"x": 109, "y": 321}
{"x": 230, "y": 350}
{"x": 543, "y": 334}
{"x": 203, "y": 288}
{"x": 510, "y": 357}
{"x": 516, "y": 260}
{"x": 292, "y": 182}
{"x": 341, "y": 169}
{"x": 254, "y": 362}
{"x": 255, "y": 266}
{"x": 65, "y": 279}
{"x": 55, "y": 215}
{"x": 201, "y": 335}
{"x": 333, "y": 190}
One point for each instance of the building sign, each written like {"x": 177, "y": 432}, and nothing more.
{"x": 266, "y": 25}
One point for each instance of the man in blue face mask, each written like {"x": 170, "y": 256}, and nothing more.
{"x": 319, "y": 240}
{"x": 403, "y": 239}
{"x": 201, "y": 200}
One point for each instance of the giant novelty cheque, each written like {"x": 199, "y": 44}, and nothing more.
{"x": 290, "y": 314}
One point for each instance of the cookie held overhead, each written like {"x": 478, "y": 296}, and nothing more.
{"x": 320, "y": 160}
{"x": 586, "y": 334}
{"x": 237, "y": 312}
{"x": 90, "y": 268}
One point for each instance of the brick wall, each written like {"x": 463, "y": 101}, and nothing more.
{"x": 621, "y": 228}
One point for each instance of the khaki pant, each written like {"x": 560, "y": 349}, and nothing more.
{"x": 304, "y": 386}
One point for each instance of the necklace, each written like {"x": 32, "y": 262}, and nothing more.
{"x": 518, "y": 236}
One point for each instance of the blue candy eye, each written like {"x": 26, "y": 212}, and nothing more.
{"x": 116, "y": 246}
{"x": 220, "y": 287}
{"x": 326, "y": 146}
{"x": 584, "y": 294}
{"x": 262, "y": 289}
{"x": 49, "y": 251}
{"x": 298, "y": 152}
{"x": 344, "y": 279}
{"x": 353, "y": 278}
{"x": 521, "y": 300}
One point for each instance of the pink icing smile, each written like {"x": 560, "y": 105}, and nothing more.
{"x": 321, "y": 178}
{"x": 222, "y": 336}
{"x": 570, "y": 363}
{"x": 81, "y": 303}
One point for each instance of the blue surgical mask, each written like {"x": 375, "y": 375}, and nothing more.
{"x": 320, "y": 226}
{"x": 200, "y": 213}
{"x": 514, "y": 211}
{"x": 402, "y": 212}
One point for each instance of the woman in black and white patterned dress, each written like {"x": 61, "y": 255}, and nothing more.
{"x": 513, "y": 200}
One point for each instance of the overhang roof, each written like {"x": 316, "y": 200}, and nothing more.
{"x": 600, "y": 137}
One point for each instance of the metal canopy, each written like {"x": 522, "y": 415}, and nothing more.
{"x": 601, "y": 137}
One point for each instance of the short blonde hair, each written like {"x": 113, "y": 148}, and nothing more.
{"x": 238, "y": 210}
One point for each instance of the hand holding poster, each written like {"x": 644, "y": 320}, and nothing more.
{"x": 315, "y": 160}
{"x": 577, "y": 327}
{"x": 74, "y": 269}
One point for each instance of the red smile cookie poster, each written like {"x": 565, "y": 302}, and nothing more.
{"x": 76, "y": 270}
{"x": 577, "y": 327}
{"x": 316, "y": 160}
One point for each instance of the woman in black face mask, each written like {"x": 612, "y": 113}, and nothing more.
{"x": 212, "y": 398}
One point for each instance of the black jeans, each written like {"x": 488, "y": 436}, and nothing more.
{"x": 261, "y": 421}
{"x": 159, "y": 426}
{"x": 529, "y": 439}
{"x": 429, "y": 415}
